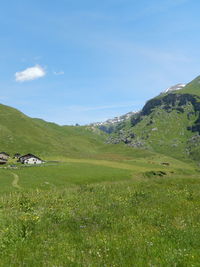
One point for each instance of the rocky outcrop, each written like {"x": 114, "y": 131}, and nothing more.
{"x": 128, "y": 138}
{"x": 169, "y": 103}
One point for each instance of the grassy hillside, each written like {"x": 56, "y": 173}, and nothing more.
{"x": 100, "y": 204}
{"x": 19, "y": 133}
{"x": 192, "y": 88}
{"x": 168, "y": 124}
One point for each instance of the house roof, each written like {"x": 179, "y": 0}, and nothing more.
{"x": 4, "y": 153}
{"x": 27, "y": 156}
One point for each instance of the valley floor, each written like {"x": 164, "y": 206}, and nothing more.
{"x": 101, "y": 212}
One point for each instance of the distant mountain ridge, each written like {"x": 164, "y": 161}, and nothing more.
{"x": 115, "y": 119}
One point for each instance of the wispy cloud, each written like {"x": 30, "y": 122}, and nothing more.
{"x": 129, "y": 48}
{"x": 30, "y": 74}
{"x": 103, "y": 107}
{"x": 3, "y": 98}
{"x": 58, "y": 72}
{"x": 154, "y": 7}
{"x": 165, "y": 5}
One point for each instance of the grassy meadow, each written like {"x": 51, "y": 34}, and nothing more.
{"x": 115, "y": 209}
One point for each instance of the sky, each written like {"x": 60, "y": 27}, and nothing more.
{"x": 74, "y": 61}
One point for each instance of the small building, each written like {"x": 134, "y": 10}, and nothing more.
{"x": 4, "y": 155}
{"x": 33, "y": 160}
{"x": 24, "y": 157}
{"x": 3, "y": 161}
{"x": 16, "y": 156}
{"x": 30, "y": 159}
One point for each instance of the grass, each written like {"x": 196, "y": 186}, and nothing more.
{"x": 68, "y": 175}
{"x": 100, "y": 205}
{"x": 22, "y": 134}
{"x": 101, "y": 212}
{"x": 192, "y": 87}
{"x": 170, "y": 136}
{"x": 169, "y": 126}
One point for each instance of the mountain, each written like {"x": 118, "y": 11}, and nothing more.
{"x": 176, "y": 87}
{"x": 110, "y": 125}
{"x": 20, "y": 133}
{"x": 168, "y": 123}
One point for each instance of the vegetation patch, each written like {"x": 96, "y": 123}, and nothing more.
{"x": 151, "y": 174}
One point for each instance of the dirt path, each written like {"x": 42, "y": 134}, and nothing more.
{"x": 15, "y": 181}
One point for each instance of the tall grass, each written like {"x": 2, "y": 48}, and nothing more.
{"x": 137, "y": 222}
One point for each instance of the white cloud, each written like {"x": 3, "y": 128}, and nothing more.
{"x": 30, "y": 74}
{"x": 58, "y": 73}
{"x": 103, "y": 107}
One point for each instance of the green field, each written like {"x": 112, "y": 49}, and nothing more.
{"x": 116, "y": 209}
{"x": 94, "y": 204}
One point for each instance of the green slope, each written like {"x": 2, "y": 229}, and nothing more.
{"x": 168, "y": 124}
{"x": 192, "y": 88}
{"x": 19, "y": 133}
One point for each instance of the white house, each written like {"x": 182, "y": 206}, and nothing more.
{"x": 4, "y": 155}
{"x": 30, "y": 159}
{"x": 33, "y": 160}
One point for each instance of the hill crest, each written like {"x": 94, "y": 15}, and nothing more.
{"x": 168, "y": 124}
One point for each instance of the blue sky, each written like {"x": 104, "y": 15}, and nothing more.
{"x": 94, "y": 59}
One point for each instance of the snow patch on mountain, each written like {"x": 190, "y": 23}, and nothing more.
{"x": 115, "y": 120}
{"x": 176, "y": 87}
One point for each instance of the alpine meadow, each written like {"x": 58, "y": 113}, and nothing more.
{"x": 99, "y": 166}
{"x": 98, "y": 204}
